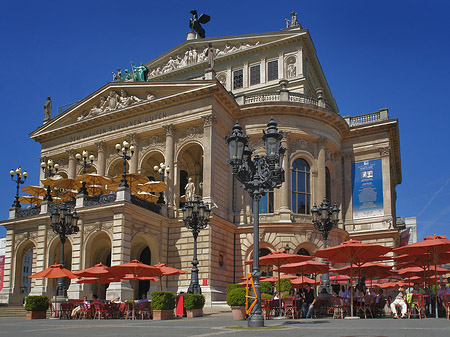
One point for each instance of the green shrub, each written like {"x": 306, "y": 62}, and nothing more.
{"x": 236, "y": 297}
{"x": 36, "y": 303}
{"x": 163, "y": 300}
{"x": 266, "y": 296}
{"x": 231, "y": 287}
{"x": 285, "y": 294}
{"x": 285, "y": 283}
{"x": 194, "y": 301}
{"x": 266, "y": 287}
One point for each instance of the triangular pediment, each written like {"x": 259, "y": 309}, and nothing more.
{"x": 192, "y": 54}
{"x": 116, "y": 100}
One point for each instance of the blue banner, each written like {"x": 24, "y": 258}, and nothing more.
{"x": 367, "y": 178}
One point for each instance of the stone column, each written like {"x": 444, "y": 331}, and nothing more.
{"x": 120, "y": 253}
{"x": 208, "y": 145}
{"x": 285, "y": 211}
{"x": 321, "y": 179}
{"x": 176, "y": 187}
{"x": 169, "y": 161}
{"x": 101, "y": 160}
{"x": 336, "y": 182}
{"x": 72, "y": 172}
{"x": 76, "y": 290}
{"x": 347, "y": 209}
{"x": 133, "y": 163}
{"x": 385, "y": 153}
{"x": 8, "y": 277}
{"x": 40, "y": 285}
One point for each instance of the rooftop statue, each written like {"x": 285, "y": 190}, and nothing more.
{"x": 195, "y": 21}
{"x": 47, "y": 110}
{"x": 293, "y": 22}
{"x": 138, "y": 74}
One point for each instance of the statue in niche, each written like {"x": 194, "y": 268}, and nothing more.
{"x": 195, "y": 21}
{"x": 48, "y": 109}
{"x": 189, "y": 190}
{"x": 210, "y": 54}
{"x": 291, "y": 70}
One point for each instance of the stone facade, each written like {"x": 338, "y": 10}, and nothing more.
{"x": 180, "y": 118}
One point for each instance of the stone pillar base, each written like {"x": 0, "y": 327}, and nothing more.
{"x": 12, "y": 213}
{"x": 79, "y": 201}
{"x": 285, "y": 215}
{"x": 123, "y": 194}
{"x": 75, "y": 290}
{"x": 119, "y": 289}
{"x": 44, "y": 207}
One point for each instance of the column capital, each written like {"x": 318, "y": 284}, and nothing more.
{"x": 132, "y": 138}
{"x": 385, "y": 151}
{"x": 321, "y": 142}
{"x": 100, "y": 146}
{"x": 71, "y": 153}
{"x": 168, "y": 128}
{"x": 209, "y": 120}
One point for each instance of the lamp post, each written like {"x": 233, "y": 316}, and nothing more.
{"x": 122, "y": 150}
{"x": 83, "y": 159}
{"x": 19, "y": 175}
{"x": 325, "y": 218}
{"x": 257, "y": 175}
{"x": 163, "y": 170}
{"x": 196, "y": 217}
{"x": 63, "y": 223}
{"x": 50, "y": 169}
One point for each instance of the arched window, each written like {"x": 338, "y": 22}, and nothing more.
{"x": 327, "y": 184}
{"x": 266, "y": 270}
{"x": 301, "y": 189}
{"x": 303, "y": 251}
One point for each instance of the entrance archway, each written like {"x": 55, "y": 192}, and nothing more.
{"x": 25, "y": 261}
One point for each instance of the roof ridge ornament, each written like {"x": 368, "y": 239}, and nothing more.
{"x": 194, "y": 24}
{"x": 293, "y": 22}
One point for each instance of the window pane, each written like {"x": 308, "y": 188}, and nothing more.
{"x": 272, "y": 70}
{"x": 255, "y": 75}
{"x": 263, "y": 204}
{"x": 270, "y": 202}
{"x": 294, "y": 181}
{"x": 238, "y": 79}
{"x": 302, "y": 203}
{"x": 294, "y": 203}
{"x": 308, "y": 203}
{"x": 301, "y": 182}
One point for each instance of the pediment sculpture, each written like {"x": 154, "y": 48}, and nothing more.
{"x": 115, "y": 101}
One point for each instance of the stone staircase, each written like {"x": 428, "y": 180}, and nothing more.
{"x": 12, "y": 311}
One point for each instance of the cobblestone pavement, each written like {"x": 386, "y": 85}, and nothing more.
{"x": 219, "y": 323}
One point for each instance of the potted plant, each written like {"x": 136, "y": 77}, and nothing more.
{"x": 236, "y": 300}
{"x": 194, "y": 303}
{"x": 36, "y": 307}
{"x": 163, "y": 303}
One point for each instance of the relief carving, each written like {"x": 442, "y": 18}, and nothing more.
{"x": 157, "y": 141}
{"x": 208, "y": 120}
{"x": 385, "y": 151}
{"x": 194, "y": 132}
{"x": 301, "y": 144}
{"x": 96, "y": 227}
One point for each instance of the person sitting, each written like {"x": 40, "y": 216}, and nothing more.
{"x": 345, "y": 294}
{"x": 400, "y": 300}
{"x": 143, "y": 299}
{"x": 77, "y": 310}
{"x": 309, "y": 301}
{"x": 116, "y": 300}
{"x": 275, "y": 296}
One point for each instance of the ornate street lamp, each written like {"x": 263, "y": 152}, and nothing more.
{"x": 325, "y": 218}
{"x": 257, "y": 175}
{"x": 122, "y": 150}
{"x": 63, "y": 223}
{"x": 196, "y": 217}
{"x": 163, "y": 170}
{"x": 50, "y": 169}
{"x": 19, "y": 175}
{"x": 83, "y": 159}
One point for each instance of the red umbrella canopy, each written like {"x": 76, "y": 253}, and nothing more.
{"x": 166, "y": 270}
{"x": 422, "y": 260}
{"x": 305, "y": 267}
{"x": 140, "y": 278}
{"x": 340, "y": 279}
{"x": 275, "y": 278}
{"x": 433, "y": 245}
{"x": 280, "y": 257}
{"x": 301, "y": 280}
{"x": 352, "y": 251}
{"x": 419, "y": 271}
{"x": 95, "y": 271}
{"x": 101, "y": 280}
{"x": 135, "y": 268}
{"x": 54, "y": 271}
{"x": 367, "y": 270}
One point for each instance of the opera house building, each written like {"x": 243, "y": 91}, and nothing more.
{"x": 176, "y": 110}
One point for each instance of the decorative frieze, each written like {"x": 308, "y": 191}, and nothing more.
{"x": 194, "y": 132}
{"x": 153, "y": 142}
{"x": 385, "y": 151}
{"x": 209, "y": 120}
{"x": 97, "y": 227}
{"x": 301, "y": 144}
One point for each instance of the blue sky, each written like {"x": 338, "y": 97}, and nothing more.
{"x": 375, "y": 54}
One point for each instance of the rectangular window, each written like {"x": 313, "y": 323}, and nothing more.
{"x": 238, "y": 79}
{"x": 255, "y": 75}
{"x": 272, "y": 70}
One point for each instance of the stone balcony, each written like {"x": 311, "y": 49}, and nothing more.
{"x": 373, "y": 117}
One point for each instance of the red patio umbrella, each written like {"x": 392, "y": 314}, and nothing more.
{"x": 301, "y": 280}
{"x": 433, "y": 246}
{"x": 279, "y": 258}
{"x": 352, "y": 252}
{"x": 367, "y": 270}
{"x": 165, "y": 270}
{"x": 100, "y": 272}
{"x": 54, "y": 271}
{"x": 276, "y": 278}
{"x": 136, "y": 269}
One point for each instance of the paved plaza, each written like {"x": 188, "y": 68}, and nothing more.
{"x": 219, "y": 323}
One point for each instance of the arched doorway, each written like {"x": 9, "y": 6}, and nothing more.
{"x": 55, "y": 258}
{"x": 143, "y": 286}
{"x": 98, "y": 250}
{"x": 25, "y": 260}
